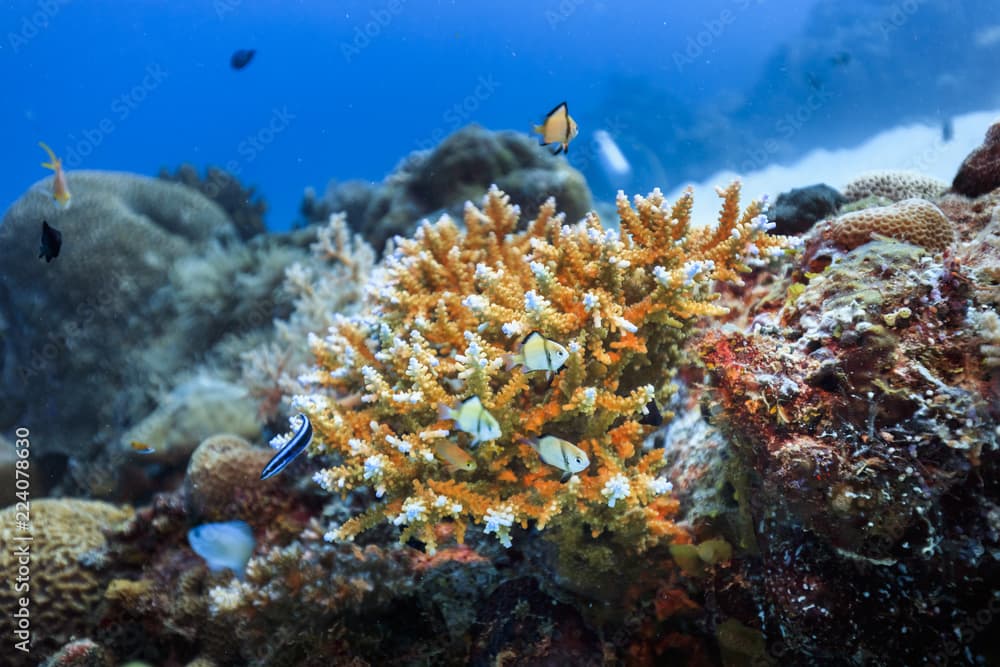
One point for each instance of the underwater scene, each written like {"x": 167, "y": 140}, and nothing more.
{"x": 569, "y": 332}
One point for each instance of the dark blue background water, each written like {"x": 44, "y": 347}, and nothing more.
{"x": 345, "y": 89}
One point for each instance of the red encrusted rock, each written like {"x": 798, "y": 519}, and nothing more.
{"x": 980, "y": 172}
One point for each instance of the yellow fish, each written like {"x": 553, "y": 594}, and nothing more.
{"x": 559, "y": 453}
{"x": 141, "y": 447}
{"x": 60, "y": 190}
{"x": 456, "y": 457}
{"x": 470, "y": 416}
{"x": 538, "y": 353}
{"x": 558, "y": 128}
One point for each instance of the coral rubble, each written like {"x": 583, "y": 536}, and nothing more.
{"x": 446, "y": 309}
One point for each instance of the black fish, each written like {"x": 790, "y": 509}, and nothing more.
{"x": 51, "y": 242}
{"x": 841, "y": 58}
{"x": 241, "y": 58}
{"x": 652, "y": 416}
{"x": 290, "y": 450}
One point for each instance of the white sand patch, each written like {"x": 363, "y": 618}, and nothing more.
{"x": 912, "y": 147}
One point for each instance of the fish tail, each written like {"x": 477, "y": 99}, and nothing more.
{"x": 53, "y": 160}
{"x": 444, "y": 411}
{"x": 510, "y": 360}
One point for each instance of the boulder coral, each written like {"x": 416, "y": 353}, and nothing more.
{"x": 894, "y": 186}
{"x": 979, "y": 173}
{"x": 428, "y": 182}
{"x": 448, "y": 306}
{"x": 152, "y": 279}
{"x": 915, "y": 221}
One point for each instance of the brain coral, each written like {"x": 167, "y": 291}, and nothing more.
{"x": 65, "y": 586}
{"x": 915, "y": 221}
{"x": 894, "y": 185}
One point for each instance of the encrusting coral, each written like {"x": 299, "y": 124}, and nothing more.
{"x": 447, "y": 308}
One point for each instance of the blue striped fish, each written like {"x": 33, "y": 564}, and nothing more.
{"x": 291, "y": 449}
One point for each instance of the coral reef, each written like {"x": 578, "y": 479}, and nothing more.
{"x": 243, "y": 205}
{"x": 223, "y": 483}
{"x": 80, "y": 653}
{"x": 328, "y": 284}
{"x": 980, "y": 171}
{"x": 152, "y": 280}
{"x": 66, "y": 572}
{"x": 191, "y": 412}
{"x": 446, "y": 309}
{"x": 459, "y": 169}
{"x": 863, "y": 429}
{"x": 894, "y": 186}
{"x": 915, "y": 221}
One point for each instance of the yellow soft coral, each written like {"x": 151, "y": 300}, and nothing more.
{"x": 444, "y": 310}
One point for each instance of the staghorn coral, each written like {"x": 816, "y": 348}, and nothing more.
{"x": 66, "y": 576}
{"x": 915, "y": 221}
{"x": 894, "y": 186}
{"x": 329, "y": 282}
{"x": 448, "y": 306}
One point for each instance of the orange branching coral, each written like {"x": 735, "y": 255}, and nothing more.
{"x": 447, "y": 308}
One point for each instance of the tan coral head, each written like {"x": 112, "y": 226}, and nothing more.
{"x": 915, "y": 221}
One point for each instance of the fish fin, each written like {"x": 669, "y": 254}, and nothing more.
{"x": 49, "y": 165}
{"x": 538, "y": 129}
{"x": 444, "y": 412}
{"x": 53, "y": 160}
{"x": 566, "y": 477}
{"x": 558, "y": 150}
{"x": 556, "y": 109}
{"x": 511, "y": 360}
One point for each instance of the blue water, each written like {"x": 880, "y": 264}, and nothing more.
{"x": 345, "y": 89}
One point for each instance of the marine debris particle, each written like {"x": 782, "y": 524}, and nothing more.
{"x": 450, "y": 306}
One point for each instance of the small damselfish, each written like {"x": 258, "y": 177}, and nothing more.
{"x": 538, "y": 353}
{"x": 291, "y": 449}
{"x": 470, "y": 416}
